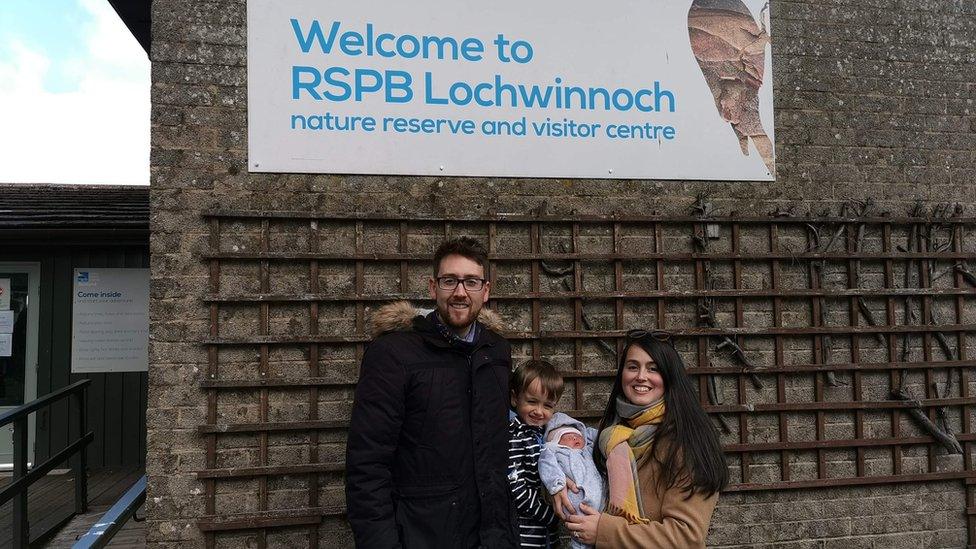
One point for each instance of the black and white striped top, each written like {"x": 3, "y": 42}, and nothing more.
{"x": 538, "y": 525}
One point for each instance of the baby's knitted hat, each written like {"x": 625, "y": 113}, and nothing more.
{"x": 557, "y": 433}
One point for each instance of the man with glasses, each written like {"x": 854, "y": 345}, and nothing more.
{"x": 427, "y": 452}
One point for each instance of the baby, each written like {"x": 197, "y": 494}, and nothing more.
{"x": 568, "y": 453}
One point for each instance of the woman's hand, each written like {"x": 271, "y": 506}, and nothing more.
{"x": 560, "y": 501}
{"x": 583, "y": 526}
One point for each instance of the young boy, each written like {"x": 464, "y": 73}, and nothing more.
{"x": 535, "y": 388}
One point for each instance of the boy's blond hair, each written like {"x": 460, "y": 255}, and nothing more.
{"x": 531, "y": 370}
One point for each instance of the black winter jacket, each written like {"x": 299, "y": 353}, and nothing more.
{"x": 427, "y": 452}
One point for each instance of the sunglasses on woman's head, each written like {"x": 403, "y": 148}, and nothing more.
{"x": 661, "y": 335}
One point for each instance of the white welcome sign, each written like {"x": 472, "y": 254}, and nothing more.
{"x": 622, "y": 89}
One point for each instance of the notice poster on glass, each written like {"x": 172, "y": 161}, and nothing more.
{"x": 6, "y": 321}
{"x": 110, "y": 321}
{"x": 4, "y": 294}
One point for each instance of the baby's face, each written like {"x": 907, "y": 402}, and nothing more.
{"x": 572, "y": 440}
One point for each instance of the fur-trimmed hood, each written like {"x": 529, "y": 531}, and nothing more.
{"x": 400, "y": 314}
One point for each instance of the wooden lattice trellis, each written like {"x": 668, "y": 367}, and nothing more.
{"x": 784, "y": 321}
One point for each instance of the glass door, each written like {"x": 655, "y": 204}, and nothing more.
{"x": 19, "y": 307}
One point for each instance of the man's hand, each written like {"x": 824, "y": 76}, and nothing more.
{"x": 560, "y": 501}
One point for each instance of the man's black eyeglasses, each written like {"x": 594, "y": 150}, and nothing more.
{"x": 470, "y": 284}
{"x": 661, "y": 335}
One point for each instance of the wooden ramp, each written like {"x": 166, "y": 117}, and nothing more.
{"x": 51, "y": 501}
{"x": 132, "y": 535}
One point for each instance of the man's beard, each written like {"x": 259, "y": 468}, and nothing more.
{"x": 456, "y": 318}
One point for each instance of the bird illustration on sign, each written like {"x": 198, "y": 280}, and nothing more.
{"x": 730, "y": 47}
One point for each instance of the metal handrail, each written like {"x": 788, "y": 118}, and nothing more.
{"x": 112, "y": 521}
{"x": 19, "y": 485}
{"x": 38, "y": 403}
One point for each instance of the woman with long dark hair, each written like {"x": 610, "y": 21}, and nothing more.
{"x": 660, "y": 452}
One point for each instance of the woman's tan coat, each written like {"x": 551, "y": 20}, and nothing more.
{"x": 677, "y": 521}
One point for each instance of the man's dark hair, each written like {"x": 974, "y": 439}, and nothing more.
{"x": 465, "y": 247}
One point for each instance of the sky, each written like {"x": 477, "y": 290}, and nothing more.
{"x": 74, "y": 95}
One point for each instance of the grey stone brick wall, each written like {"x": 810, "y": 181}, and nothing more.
{"x": 873, "y": 98}
{"x": 908, "y": 515}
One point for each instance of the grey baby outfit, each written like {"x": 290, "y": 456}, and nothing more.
{"x": 557, "y": 462}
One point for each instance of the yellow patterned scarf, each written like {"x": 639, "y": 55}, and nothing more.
{"x": 636, "y": 426}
